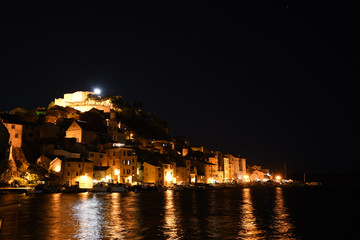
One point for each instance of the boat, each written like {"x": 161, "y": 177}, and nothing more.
{"x": 118, "y": 188}
{"x": 100, "y": 188}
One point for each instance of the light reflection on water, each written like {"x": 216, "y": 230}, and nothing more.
{"x": 248, "y": 226}
{"x": 89, "y": 214}
{"x": 56, "y": 207}
{"x": 171, "y": 229}
{"x": 282, "y": 224}
{"x": 207, "y": 214}
{"x": 115, "y": 227}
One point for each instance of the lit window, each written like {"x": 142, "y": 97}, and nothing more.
{"x": 124, "y": 162}
{"x": 128, "y": 162}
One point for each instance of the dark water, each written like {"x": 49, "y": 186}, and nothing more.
{"x": 250, "y": 213}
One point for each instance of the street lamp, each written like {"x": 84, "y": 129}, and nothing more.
{"x": 97, "y": 91}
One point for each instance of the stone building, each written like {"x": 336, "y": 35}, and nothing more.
{"x": 80, "y": 101}
{"x": 21, "y": 132}
{"x": 76, "y": 171}
{"x": 122, "y": 163}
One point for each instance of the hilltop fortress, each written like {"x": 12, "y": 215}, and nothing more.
{"x": 81, "y": 101}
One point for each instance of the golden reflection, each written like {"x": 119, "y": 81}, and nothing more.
{"x": 282, "y": 224}
{"x": 56, "y": 208}
{"x": 115, "y": 227}
{"x": 89, "y": 213}
{"x": 249, "y": 229}
{"x": 171, "y": 227}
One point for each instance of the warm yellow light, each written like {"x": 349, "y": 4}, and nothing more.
{"x": 246, "y": 178}
{"x": 117, "y": 172}
{"x": 129, "y": 179}
{"x": 168, "y": 176}
{"x": 57, "y": 168}
{"x": 85, "y": 182}
{"x": 278, "y": 178}
{"x": 107, "y": 178}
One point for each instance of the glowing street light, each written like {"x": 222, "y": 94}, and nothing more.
{"x": 246, "y": 178}
{"x": 97, "y": 91}
{"x": 278, "y": 178}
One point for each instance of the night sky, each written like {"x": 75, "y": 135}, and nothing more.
{"x": 272, "y": 81}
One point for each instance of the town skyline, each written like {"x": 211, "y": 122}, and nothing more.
{"x": 86, "y": 140}
{"x": 259, "y": 77}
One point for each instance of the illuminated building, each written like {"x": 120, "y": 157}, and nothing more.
{"x": 21, "y": 131}
{"x": 214, "y": 175}
{"x": 74, "y": 168}
{"x": 237, "y": 167}
{"x": 256, "y": 173}
{"x": 121, "y": 163}
{"x": 113, "y": 128}
{"x": 80, "y": 101}
{"x": 50, "y": 163}
{"x": 84, "y": 133}
{"x": 183, "y": 172}
{"x": 160, "y": 173}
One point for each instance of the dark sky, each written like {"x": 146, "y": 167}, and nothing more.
{"x": 272, "y": 81}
